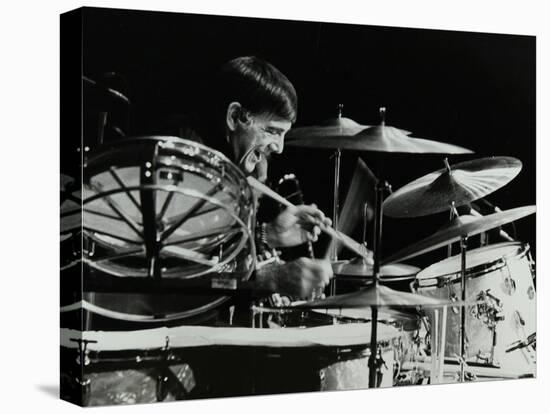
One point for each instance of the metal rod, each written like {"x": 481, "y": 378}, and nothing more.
{"x": 373, "y": 348}
{"x": 119, "y": 181}
{"x": 336, "y": 200}
{"x": 186, "y": 216}
{"x": 379, "y": 199}
{"x": 118, "y": 210}
{"x": 377, "y": 246}
{"x": 365, "y": 219}
{"x": 453, "y": 213}
{"x": 463, "y": 247}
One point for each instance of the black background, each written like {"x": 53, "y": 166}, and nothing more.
{"x": 470, "y": 89}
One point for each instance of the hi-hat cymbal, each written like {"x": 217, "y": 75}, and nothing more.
{"x": 361, "y": 268}
{"x": 376, "y": 295}
{"x": 460, "y": 227}
{"x": 459, "y": 184}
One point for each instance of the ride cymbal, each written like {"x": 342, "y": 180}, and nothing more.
{"x": 464, "y": 226}
{"x": 459, "y": 184}
{"x": 376, "y": 295}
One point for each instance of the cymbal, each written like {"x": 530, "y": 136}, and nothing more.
{"x": 463, "y": 226}
{"x": 380, "y": 138}
{"x": 461, "y": 183}
{"x": 407, "y": 318}
{"x": 376, "y": 295}
{"x": 360, "y": 267}
{"x": 332, "y": 128}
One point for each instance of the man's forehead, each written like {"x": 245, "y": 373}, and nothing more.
{"x": 278, "y": 123}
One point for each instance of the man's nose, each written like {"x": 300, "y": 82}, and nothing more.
{"x": 277, "y": 146}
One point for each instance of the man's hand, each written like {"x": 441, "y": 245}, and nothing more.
{"x": 296, "y": 225}
{"x": 301, "y": 278}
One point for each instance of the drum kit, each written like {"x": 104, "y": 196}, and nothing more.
{"x": 167, "y": 237}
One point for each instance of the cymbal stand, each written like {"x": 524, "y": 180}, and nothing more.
{"x": 463, "y": 250}
{"x": 381, "y": 186}
{"x": 336, "y": 204}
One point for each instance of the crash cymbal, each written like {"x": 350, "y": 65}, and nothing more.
{"x": 380, "y": 138}
{"x": 376, "y": 295}
{"x": 362, "y": 268}
{"x": 460, "y": 184}
{"x": 329, "y": 131}
{"x": 463, "y": 226}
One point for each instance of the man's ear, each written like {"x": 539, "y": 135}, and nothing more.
{"x": 233, "y": 115}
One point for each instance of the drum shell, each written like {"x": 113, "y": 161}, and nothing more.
{"x": 507, "y": 264}
{"x": 195, "y": 166}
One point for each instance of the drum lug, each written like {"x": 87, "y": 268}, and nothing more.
{"x": 82, "y": 358}
{"x": 453, "y": 298}
{"x": 520, "y": 321}
{"x": 162, "y": 389}
{"x": 509, "y": 286}
{"x": 89, "y": 247}
{"x": 85, "y": 385}
{"x": 162, "y": 378}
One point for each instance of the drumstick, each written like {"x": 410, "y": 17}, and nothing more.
{"x": 341, "y": 237}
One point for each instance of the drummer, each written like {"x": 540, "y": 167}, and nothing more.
{"x": 251, "y": 107}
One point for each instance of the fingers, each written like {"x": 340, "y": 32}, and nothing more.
{"x": 311, "y": 233}
{"x": 311, "y": 219}
{"x": 315, "y": 275}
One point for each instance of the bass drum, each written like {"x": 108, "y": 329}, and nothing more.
{"x": 500, "y": 278}
{"x": 160, "y": 208}
{"x": 204, "y": 362}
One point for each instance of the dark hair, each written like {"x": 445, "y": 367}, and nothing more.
{"x": 258, "y": 86}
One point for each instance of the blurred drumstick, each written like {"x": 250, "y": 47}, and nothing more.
{"x": 341, "y": 237}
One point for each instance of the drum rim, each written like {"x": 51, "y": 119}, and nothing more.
{"x": 142, "y": 318}
{"x": 248, "y": 237}
{"x": 522, "y": 250}
{"x": 101, "y": 150}
{"x": 219, "y": 164}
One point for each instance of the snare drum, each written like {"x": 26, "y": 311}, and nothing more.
{"x": 500, "y": 278}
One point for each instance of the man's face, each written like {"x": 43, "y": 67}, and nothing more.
{"x": 255, "y": 140}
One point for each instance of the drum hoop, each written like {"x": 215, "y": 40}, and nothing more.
{"x": 170, "y": 142}
{"x": 229, "y": 169}
{"x": 195, "y": 194}
{"x": 132, "y": 317}
{"x": 480, "y": 270}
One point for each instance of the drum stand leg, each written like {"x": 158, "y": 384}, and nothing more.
{"x": 463, "y": 247}
{"x": 335, "y": 210}
{"x": 381, "y": 186}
